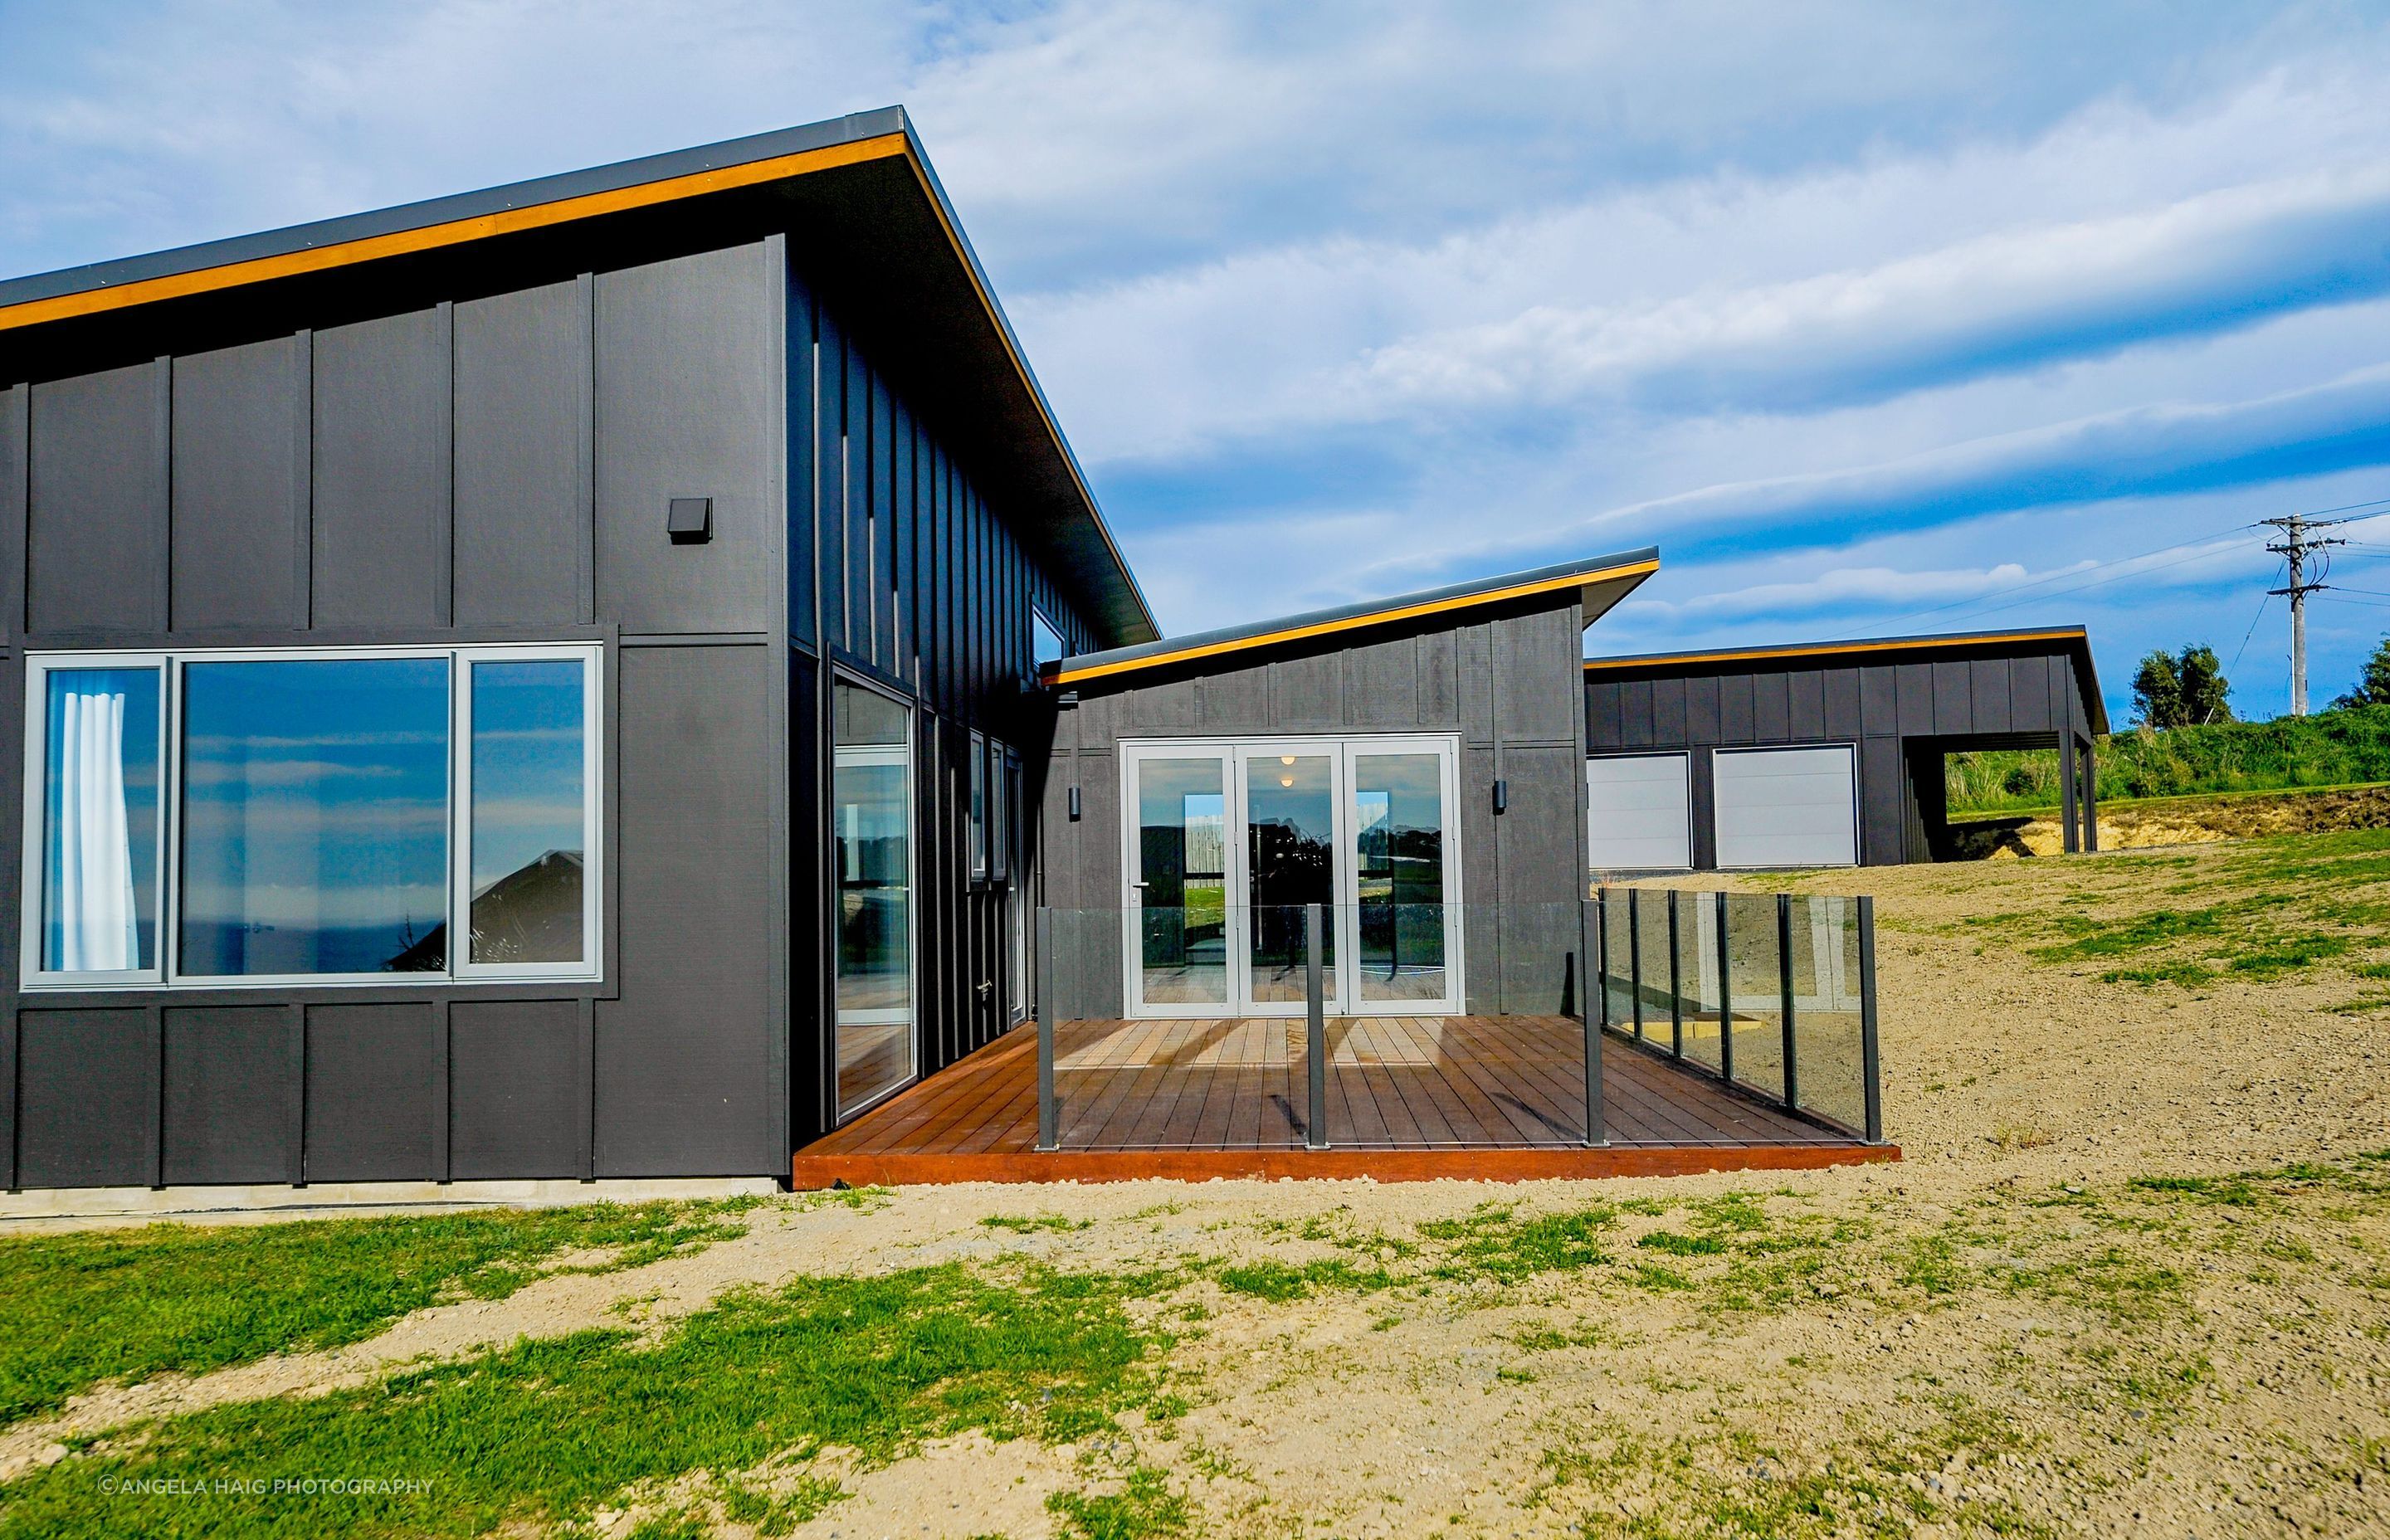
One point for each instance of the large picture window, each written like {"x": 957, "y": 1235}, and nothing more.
{"x": 312, "y": 816}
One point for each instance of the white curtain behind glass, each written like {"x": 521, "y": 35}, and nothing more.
{"x": 98, "y": 928}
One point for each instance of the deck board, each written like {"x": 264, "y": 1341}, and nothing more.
{"x": 1408, "y": 1098}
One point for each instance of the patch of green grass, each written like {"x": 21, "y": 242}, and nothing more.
{"x": 1682, "y": 1245}
{"x": 2190, "y": 975}
{"x": 2089, "y": 938}
{"x": 1493, "y": 1244}
{"x": 1659, "y": 1279}
{"x": 1143, "y": 1508}
{"x": 545, "y": 1431}
{"x": 2276, "y": 958}
{"x": 771, "y": 1514}
{"x": 1279, "y": 1282}
{"x": 2232, "y": 1191}
{"x": 124, "y": 1304}
{"x": 1030, "y": 1223}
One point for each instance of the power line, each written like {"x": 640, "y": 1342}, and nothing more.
{"x": 2263, "y": 600}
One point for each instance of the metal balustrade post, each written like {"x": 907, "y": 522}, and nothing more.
{"x": 1726, "y": 995}
{"x": 1315, "y": 1133}
{"x": 1597, "y": 1119}
{"x": 1869, "y": 1068}
{"x": 1599, "y": 949}
{"x": 1784, "y": 973}
{"x": 1676, "y": 983}
{"x": 1635, "y": 957}
{"x": 1049, "y": 1120}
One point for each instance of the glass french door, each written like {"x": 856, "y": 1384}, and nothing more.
{"x": 1227, "y": 842}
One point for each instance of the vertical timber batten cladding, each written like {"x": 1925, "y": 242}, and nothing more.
{"x": 1482, "y": 674}
{"x": 1897, "y": 704}
{"x": 680, "y": 443}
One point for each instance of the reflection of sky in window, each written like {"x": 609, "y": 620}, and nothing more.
{"x": 1044, "y": 640}
{"x": 315, "y": 814}
{"x": 140, "y": 688}
{"x": 527, "y": 765}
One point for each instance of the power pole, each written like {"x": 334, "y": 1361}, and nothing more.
{"x": 2294, "y": 549}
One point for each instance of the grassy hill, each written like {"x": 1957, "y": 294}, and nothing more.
{"x": 2342, "y": 747}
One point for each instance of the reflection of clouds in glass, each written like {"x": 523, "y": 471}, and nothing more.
{"x": 316, "y": 813}
{"x": 298, "y": 815}
{"x": 362, "y": 905}
{"x": 429, "y": 739}
{"x": 295, "y": 772}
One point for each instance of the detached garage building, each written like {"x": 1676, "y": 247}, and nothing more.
{"x": 1826, "y": 753}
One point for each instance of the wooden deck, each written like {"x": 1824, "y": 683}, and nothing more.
{"x": 1409, "y": 1099}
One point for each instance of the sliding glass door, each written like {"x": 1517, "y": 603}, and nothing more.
{"x": 1227, "y": 842}
{"x": 871, "y": 832}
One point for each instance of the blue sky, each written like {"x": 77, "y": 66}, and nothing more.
{"x": 1875, "y": 318}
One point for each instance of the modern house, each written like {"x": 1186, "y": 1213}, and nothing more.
{"x": 601, "y": 677}
{"x": 532, "y": 684}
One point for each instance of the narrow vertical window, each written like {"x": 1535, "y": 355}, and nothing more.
{"x": 99, "y": 822}
{"x": 529, "y": 819}
{"x": 871, "y": 831}
{"x": 978, "y": 774}
{"x": 999, "y": 812}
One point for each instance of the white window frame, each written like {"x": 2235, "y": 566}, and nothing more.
{"x": 1341, "y": 985}
{"x": 34, "y": 888}
{"x": 168, "y": 974}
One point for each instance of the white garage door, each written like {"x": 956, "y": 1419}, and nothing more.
{"x": 1786, "y": 807}
{"x": 1639, "y": 820}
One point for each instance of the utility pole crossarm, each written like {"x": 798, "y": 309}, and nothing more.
{"x": 2297, "y": 544}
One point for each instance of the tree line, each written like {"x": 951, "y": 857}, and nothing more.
{"x": 2188, "y": 689}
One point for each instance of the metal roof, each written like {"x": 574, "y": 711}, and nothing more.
{"x": 816, "y": 181}
{"x": 2073, "y": 639}
{"x": 1604, "y": 579}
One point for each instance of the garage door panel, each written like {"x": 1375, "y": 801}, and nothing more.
{"x": 1638, "y": 815}
{"x": 1786, "y": 807}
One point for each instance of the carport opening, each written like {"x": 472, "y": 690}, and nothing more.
{"x": 1971, "y": 799}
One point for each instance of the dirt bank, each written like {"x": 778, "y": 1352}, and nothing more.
{"x": 2180, "y": 821}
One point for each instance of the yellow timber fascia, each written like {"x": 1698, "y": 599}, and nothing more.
{"x": 1350, "y": 623}
{"x": 457, "y": 232}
